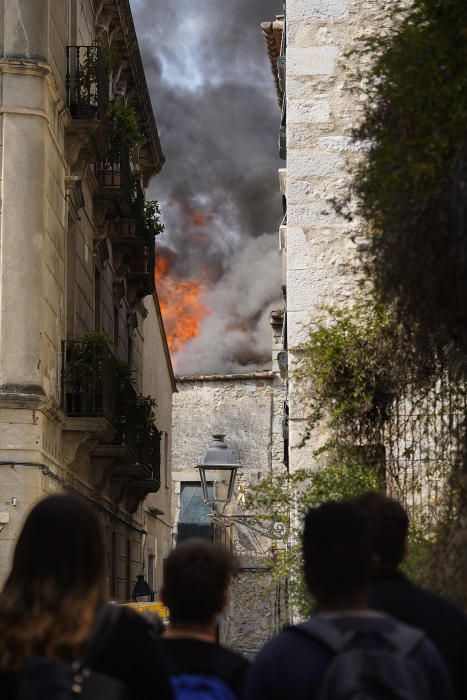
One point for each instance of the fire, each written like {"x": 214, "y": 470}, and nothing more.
{"x": 181, "y": 305}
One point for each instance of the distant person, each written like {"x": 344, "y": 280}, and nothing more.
{"x": 392, "y": 592}
{"x": 53, "y": 612}
{"x": 345, "y": 650}
{"x": 197, "y": 577}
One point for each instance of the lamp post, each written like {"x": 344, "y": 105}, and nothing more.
{"x": 218, "y": 458}
{"x": 141, "y": 589}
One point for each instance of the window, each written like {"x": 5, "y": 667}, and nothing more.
{"x": 116, "y": 326}
{"x": 97, "y": 300}
{"x": 194, "y": 519}
{"x": 128, "y": 569}
{"x": 151, "y": 569}
{"x": 165, "y": 458}
{"x": 113, "y": 565}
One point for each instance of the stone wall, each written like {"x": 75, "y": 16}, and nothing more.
{"x": 324, "y": 101}
{"x": 257, "y": 609}
{"x": 247, "y": 409}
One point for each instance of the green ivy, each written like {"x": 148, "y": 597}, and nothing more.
{"x": 352, "y": 367}
{"x": 285, "y": 498}
{"x": 411, "y": 187}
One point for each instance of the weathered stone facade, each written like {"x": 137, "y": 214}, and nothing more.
{"x": 66, "y": 270}
{"x": 322, "y": 100}
{"x": 248, "y": 410}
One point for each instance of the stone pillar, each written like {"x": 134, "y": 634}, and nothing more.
{"x": 25, "y": 28}
{"x": 22, "y": 223}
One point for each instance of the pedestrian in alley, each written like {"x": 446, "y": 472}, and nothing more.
{"x": 345, "y": 649}
{"x": 56, "y": 630}
{"x": 393, "y": 593}
{"x": 197, "y": 577}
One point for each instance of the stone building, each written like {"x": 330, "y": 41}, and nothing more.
{"x": 320, "y": 100}
{"x": 247, "y": 408}
{"x": 81, "y": 334}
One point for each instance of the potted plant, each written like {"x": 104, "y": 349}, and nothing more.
{"x": 124, "y": 136}
{"x": 89, "y": 60}
{"x": 152, "y": 223}
{"x": 83, "y": 373}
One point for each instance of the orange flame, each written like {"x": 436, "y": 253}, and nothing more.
{"x": 181, "y": 305}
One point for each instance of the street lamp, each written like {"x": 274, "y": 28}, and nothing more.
{"x": 142, "y": 589}
{"x": 218, "y": 458}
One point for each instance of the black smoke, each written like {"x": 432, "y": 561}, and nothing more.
{"x": 213, "y": 95}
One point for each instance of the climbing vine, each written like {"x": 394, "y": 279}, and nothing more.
{"x": 411, "y": 186}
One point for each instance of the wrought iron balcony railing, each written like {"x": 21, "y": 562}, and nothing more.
{"x": 87, "y": 82}
{"x": 89, "y": 383}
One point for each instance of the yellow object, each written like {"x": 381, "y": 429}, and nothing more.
{"x": 155, "y": 607}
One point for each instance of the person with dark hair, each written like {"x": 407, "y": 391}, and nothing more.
{"x": 197, "y": 577}
{"x": 55, "y": 592}
{"x": 345, "y": 649}
{"x": 393, "y": 593}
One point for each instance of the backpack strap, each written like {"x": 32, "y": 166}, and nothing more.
{"x": 402, "y": 638}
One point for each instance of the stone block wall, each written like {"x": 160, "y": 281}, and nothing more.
{"x": 324, "y": 102}
{"x": 257, "y": 610}
{"x": 248, "y": 409}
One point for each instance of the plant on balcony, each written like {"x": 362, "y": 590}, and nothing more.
{"x": 83, "y": 373}
{"x": 124, "y": 137}
{"x": 84, "y": 361}
{"x": 87, "y": 82}
{"x": 86, "y": 90}
{"x": 153, "y": 225}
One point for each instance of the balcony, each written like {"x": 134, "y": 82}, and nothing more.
{"x": 140, "y": 278}
{"x": 89, "y": 386}
{"x": 109, "y": 415}
{"x": 87, "y": 83}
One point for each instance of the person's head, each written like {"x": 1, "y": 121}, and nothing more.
{"x": 336, "y": 553}
{"x": 388, "y": 526}
{"x": 57, "y": 581}
{"x": 197, "y": 576}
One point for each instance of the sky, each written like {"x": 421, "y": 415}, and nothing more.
{"x": 213, "y": 96}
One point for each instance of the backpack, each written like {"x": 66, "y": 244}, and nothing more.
{"x": 187, "y": 686}
{"x": 359, "y": 672}
{"x": 51, "y": 679}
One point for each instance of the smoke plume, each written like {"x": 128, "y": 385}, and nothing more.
{"x": 216, "y": 109}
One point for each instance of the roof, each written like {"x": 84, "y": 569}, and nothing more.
{"x": 247, "y": 376}
{"x": 272, "y": 32}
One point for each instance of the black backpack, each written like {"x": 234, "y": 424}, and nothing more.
{"x": 358, "y": 672}
{"x": 52, "y": 679}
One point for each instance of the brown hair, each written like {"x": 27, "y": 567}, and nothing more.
{"x": 57, "y": 582}
{"x": 197, "y": 576}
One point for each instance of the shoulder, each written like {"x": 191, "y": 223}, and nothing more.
{"x": 292, "y": 643}
{"x": 232, "y": 659}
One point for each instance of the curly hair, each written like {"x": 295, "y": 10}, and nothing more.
{"x": 57, "y": 583}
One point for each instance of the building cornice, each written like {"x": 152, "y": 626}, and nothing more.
{"x": 39, "y": 69}
{"x": 139, "y": 78}
{"x": 272, "y": 32}
{"x": 246, "y": 377}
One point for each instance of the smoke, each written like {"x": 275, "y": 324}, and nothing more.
{"x": 213, "y": 96}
